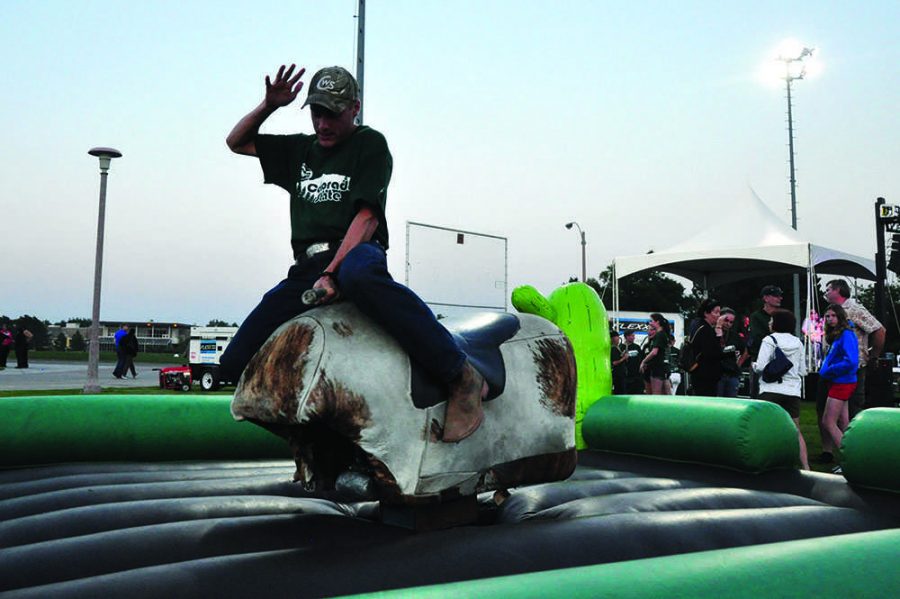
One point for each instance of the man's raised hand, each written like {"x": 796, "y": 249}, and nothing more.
{"x": 285, "y": 88}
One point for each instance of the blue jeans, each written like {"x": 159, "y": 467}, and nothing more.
{"x": 362, "y": 278}
{"x": 728, "y": 386}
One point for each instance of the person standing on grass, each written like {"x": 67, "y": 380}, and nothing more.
{"x": 759, "y": 328}
{"x": 868, "y": 329}
{"x": 675, "y": 377}
{"x": 119, "y": 370}
{"x": 130, "y": 349}
{"x": 634, "y": 385}
{"x": 22, "y": 338}
{"x": 785, "y": 392}
{"x": 707, "y": 349}
{"x": 618, "y": 357}
{"x": 655, "y": 365}
{"x": 6, "y": 343}
{"x": 733, "y": 349}
{"x": 839, "y": 371}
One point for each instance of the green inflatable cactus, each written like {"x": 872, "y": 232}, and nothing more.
{"x": 577, "y": 310}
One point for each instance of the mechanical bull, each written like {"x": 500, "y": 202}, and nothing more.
{"x": 351, "y": 402}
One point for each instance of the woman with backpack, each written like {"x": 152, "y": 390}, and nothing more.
{"x": 839, "y": 372}
{"x": 786, "y": 390}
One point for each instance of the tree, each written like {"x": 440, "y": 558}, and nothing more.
{"x": 648, "y": 291}
{"x": 60, "y": 342}
{"x": 38, "y": 328}
{"x": 215, "y": 322}
{"x": 77, "y": 343}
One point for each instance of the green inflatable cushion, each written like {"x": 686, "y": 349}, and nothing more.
{"x": 870, "y": 450}
{"x": 78, "y": 428}
{"x": 791, "y": 569}
{"x": 741, "y": 434}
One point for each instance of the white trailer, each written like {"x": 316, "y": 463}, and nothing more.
{"x": 206, "y": 347}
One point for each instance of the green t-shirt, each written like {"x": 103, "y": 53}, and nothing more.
{"x": 328, "y": 185}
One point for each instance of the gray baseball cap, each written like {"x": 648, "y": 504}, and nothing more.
{"x": 333, "y": 88}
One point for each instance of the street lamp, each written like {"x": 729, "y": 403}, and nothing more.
{"x": 793, "y": 56}
{"x": 93, "y": 385}
{"x": 583, "y": 265}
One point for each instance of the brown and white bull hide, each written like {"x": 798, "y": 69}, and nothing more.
{"x": 332, "y": 374}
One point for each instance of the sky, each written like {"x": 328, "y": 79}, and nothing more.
{"x": 641, "y": 121}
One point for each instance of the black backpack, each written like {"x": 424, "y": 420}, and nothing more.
{"x": 778, "y": 366}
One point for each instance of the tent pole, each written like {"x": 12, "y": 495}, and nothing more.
{"x": 615, "y": 282}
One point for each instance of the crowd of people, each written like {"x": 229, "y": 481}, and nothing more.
{"x": 720, "y": 348}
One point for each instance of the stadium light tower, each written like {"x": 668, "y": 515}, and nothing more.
{"x": 797, "y": 64}
{"x": 583, "y": 264}
{"x": 93, "y": 385}
{"x": 794, "y": 69}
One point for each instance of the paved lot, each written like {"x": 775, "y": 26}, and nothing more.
{"x": 71, "y": 375}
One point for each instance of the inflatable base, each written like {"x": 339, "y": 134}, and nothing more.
{"x": 241, "y": 529}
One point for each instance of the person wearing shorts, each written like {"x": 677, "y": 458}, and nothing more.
{"x": 655, "y": 366}
{"x": 839, "y": 372}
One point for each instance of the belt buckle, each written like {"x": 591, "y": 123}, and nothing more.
{"x": 317, "y": 248}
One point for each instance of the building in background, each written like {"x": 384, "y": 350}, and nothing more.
{"x": 153, "y": 337}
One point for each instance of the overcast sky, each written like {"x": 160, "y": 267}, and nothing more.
{"x": 642, "y": 121}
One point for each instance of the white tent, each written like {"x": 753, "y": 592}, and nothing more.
{"x": 751, "y": 241}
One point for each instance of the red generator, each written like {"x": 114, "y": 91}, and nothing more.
{"x": 175, "y": 377}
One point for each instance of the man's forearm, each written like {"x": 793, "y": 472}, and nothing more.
{"x": 242, "y": 139}
{"x": 361, "y": 230}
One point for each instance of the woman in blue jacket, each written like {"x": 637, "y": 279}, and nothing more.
{"x": 839, "y": 371}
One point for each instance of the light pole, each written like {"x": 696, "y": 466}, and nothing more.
{"x": 583, "y": 264}
{"x": 791, "y": 75}
{"x": 93, "y": 385}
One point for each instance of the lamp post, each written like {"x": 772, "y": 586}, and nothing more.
{"x": 93, "y": 385}
{"x": 789, "y": 58}
{"x": 583, "y": 264}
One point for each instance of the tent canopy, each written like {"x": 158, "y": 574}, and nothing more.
{"x": 761, "y": 244}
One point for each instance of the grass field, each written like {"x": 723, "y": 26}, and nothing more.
{"x": 106, "y": 356}
{"x": 810, "y": 429}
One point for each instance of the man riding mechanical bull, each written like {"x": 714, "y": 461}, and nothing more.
{"x": 337, "y": 179}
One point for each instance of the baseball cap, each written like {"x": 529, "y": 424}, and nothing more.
{"x": 771, "y": 290}
{"x": 334, "y": 88}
